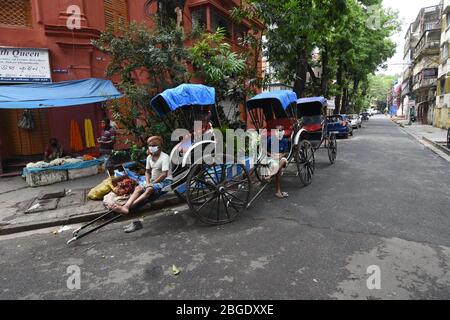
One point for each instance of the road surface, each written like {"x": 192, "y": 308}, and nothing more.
{"x": 382, "y": 210}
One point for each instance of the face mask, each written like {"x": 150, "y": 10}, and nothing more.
{"x": 153, "y": 150}
{"x": 280, "y": 134}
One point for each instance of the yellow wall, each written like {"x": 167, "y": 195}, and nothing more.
{"x": 442, "y": 118}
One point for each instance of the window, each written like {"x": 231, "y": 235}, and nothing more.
{"x": 220, "y": 21}
{"x": 444, "y": 52}
{"x": 430, "y": 73}
{"x": 15, "y": 13}
{"x": 198, "y": 17}
{"x": 240, "y": 32}
{"x": 441, "y": 87}
{"x": 116, "y": 13}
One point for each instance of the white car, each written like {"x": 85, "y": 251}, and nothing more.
{"x": 355, "y": 121}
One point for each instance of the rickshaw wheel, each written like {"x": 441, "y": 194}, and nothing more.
{"x": 448, "y": 138}
{"x": 306, "y": 162}
{"x": 218, "y": 193}
{"x": 332, "y": 149}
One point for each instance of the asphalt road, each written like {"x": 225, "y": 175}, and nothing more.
{"x": 385, "y": 203}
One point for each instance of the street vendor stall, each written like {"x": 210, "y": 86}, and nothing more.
{"x": 51, "y": 96}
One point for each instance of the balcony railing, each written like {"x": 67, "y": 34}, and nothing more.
{"x": 431, "y": 25}
{"x": 431, "y": 45}
{"x": 424, "y": 83}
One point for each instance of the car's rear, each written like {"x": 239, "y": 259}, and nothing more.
{"x": 338, "y": 125}
{"x": 354, "y": 121}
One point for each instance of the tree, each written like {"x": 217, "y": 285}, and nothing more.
{"x": 233, "y": 75}
{"x": 349, "y": 48}
{"x": 147, "y": 61}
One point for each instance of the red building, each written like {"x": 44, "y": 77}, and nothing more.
{"x": 48, "y": 24}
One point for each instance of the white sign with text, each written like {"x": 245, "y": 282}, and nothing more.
{"x": 24, "y": 65}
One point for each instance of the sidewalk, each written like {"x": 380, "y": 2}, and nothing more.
{"x": 16, "y": 198}
{"x": 434, "y": 136}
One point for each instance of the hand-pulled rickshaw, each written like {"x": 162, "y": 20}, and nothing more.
{"x": 216, "y": 188}
{"x": 312, "y": 114}
{"x": 278, "y": 109}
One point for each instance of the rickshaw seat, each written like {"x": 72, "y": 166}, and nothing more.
{"x": 315, "y": 127}
{"x": 285, "y": 122}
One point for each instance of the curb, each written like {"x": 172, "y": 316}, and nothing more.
{"x": 167, "y": 202}
{"x": 437, "y": 145}
{"x": 430, "y": 144}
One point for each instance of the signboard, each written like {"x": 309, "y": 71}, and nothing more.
{"x": 24, "y": 65}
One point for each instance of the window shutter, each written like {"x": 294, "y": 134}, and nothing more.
{"x": 116, "y": 13}
{"x": 15, "y": 13}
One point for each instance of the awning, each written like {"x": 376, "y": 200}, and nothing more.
{"x": 282, "y": 97}
{"x": 59, "y": 94}
{"x": 182, "y": 96}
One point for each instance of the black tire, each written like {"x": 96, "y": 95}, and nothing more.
{"x": 332, "y": 149}
{"x": 346, "y": 136}
{"x": 216, "y": 198}
{"x": 448, "y": 138}
{"x": 306, "y": 162}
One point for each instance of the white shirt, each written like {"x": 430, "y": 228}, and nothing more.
{"x": 159, "y": 166}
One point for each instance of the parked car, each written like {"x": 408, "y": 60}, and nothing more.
{"x": 365, "y": 116}
{"x": 340, "y": 126}
{"x": 355, "y": 121}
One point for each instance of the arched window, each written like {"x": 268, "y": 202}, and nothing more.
{"x": 116, "y": 13}
{"x": 15, "y": 13}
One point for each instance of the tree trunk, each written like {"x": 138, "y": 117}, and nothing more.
{"x": 325, "y": 74}
{"x": 339, "y": 85}
{"x": 353, "y": 93}
{"x": 344, "y": 107}
{"x": 314, "y": 79}
{"x": 301, "y": 72}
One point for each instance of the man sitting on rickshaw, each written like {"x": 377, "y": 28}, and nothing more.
{"x": 158, "y": 176}
{"x": 276, "y": 161}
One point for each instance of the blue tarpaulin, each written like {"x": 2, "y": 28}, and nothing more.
{"x": 283, "y": 97}
{"x": 183, "y": 95}
{"x": 59, "y": 94}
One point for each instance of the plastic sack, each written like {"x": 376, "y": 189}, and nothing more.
{"x": 27, "y": 121}
{"x": 100, "y": 191}
{"x": 112, "y": 199}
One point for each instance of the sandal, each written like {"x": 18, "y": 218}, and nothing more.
{"x": 285, "y": 195}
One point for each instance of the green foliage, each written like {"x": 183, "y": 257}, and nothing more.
{"x": 147, "y": 61}
{"x": 138, "y": 153}
{"x": 230, "y": 73}
{"x": 349, "y": 48}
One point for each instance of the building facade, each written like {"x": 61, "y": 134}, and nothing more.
{"x": 442, "y": 110}
{"x": 407, "y": 99}
{"x": 426, "y": 62}
{"x": 48, "y": 25}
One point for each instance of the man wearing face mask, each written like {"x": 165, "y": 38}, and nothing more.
{"x": 157, "y": 175}
{"x": 277, "y": 160}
